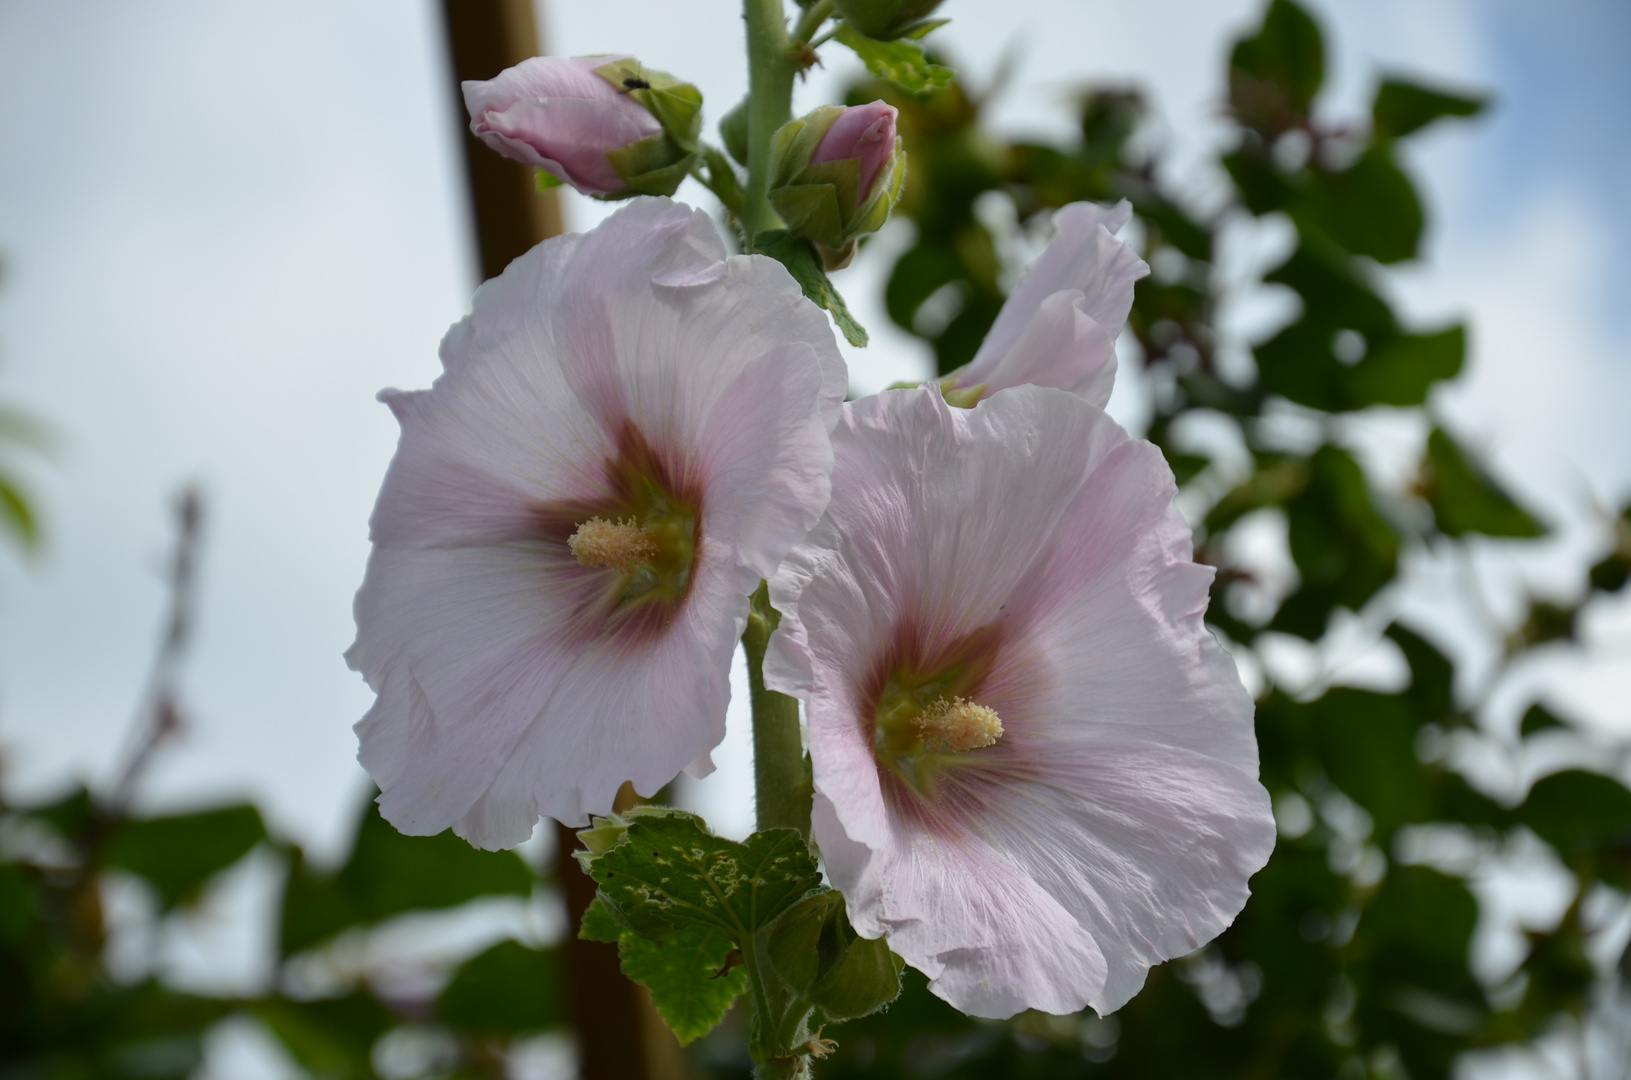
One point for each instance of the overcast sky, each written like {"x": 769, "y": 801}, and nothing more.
{"x": 227, "y": 224}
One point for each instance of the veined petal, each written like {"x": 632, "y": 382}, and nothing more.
{"x": 1030, "y": 544}
{"x": 513, "y": 680}
{"x": 1084, "y": 257}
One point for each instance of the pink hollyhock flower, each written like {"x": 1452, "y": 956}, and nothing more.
{"x": 865, "y": 133}
{"x": 1035, "y": 769}
{"x": 630, "y": 431}
{"x": 561, "y": 116}
{"x": 1059, "y": 325}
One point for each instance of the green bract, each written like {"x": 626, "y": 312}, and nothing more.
{"x": 888, "y": 19}
{"x": 658, "y": 163}
{"x": 822, "y": 201}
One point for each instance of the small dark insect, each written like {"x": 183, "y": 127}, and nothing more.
{"x": 631, "y": 83}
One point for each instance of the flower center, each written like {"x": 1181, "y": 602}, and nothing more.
{"x": 922, "y": 724}
{"x": 648, "y": 544}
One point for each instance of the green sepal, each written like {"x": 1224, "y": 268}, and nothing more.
{"x": 653, "y": 165}
{"x": 676, "y": 105}
{"x": 817, "y": 953}
{"x": 900, "y": 62}
{"x": 821, "y": 201}
{"x": 886, "y": 20}
{"x": 802, "y": 261}
{"x": 543, "y": 179}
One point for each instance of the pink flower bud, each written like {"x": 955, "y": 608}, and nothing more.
{"x": 562, "y": 116}
{"x": 863, "y": 132}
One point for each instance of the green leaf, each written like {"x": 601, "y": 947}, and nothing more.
{"x": 177, "y": 854}
{"x": 543, "y": 180}
{"x": 900, "y": 62}
{"x": 1585, "y": 816}
{"x": 670, "y": 871}
{"x": 388, "y": 874}
{"x": 1465, "y": 499}
{"x": 509, "y": 989}
{"x": 1538, "y": 718}
{"x": 1403, "y": 368}
{"x": 1274, "y": 74}
{"x": 801, "y": 260}
{"x": 1370, "y": 208}
{"x": 330, "y": 1037}
{"x": 1611, "y": 574}
{"x": 1344, "y": 548}
{"x": 681, "y": 970}
{"x": 1403, "y": 107}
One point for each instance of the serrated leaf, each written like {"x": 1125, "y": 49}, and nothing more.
{"x": 900, "y": 62}
{"x": 680, "y": 971}
{"x": 670, "y": 871}
{"x": 804, "y": 264}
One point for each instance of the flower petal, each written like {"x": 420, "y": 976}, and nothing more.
{"x": 1121, "y": 804}
{"x": 502, "y": 697}
{"x": 1083, "y": 257}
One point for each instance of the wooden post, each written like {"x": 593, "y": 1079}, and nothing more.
{"x": 620, "y": 1036}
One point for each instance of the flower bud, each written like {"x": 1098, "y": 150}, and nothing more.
{"x": 838, "y": 171}
{"x": 604, "y": 125}
{"x": 885, "y": 19}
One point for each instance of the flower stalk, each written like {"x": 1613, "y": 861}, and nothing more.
{"x": 781, "y": 777}
{"x": 770, "y": 105}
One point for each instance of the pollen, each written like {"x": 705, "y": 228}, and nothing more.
{"x": 958, "y": 724}
{"x": 612, "y": 545}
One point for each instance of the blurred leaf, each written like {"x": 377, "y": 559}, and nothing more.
{"x": 70, "y": 815}
{"x": 1465, "y": 499}
{"x": 177, "y": 854}
{"x": 1370, "y": 207}
{"x": 816, "y": 951}
{"x": 1538, "y": 718}
{"x": 509, "y": 989}
{"x": 389, "y": 873}
{"x": 1401, "y": 369}
{"x": 1611, "y": 574}
{"x": 1432, "y": 676}
{"x": 1587, "y": 818}
{"x": 1403, "y": 107}
{"x": 329, "y": 1037}
{"x": 1274, "y": 75}
{"x": 899, "y": 62}
{"x": 17, "y": 515}
{"x": 1344, "y": 548}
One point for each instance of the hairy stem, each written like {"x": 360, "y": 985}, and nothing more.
{"x": 770, "y": 105}
{"x": 781, "y": 781}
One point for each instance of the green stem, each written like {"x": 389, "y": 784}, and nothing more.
{"x": 812, "y": 19}
{"x": 781, "y": 781}
{"x": 770, "y": 105}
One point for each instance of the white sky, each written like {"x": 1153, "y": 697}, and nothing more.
{"x": 227, "y": 224}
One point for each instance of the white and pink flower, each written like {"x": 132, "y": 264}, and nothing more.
{"x": 1035, "y": 768}
{"x": 631, "y": 430}
{"x": 1059, "y": 325}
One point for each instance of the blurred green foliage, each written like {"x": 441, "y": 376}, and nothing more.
{"x": 1349, "y": 960}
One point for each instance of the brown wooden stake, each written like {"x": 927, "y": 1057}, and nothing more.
{"x": 620, "y": 1036}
